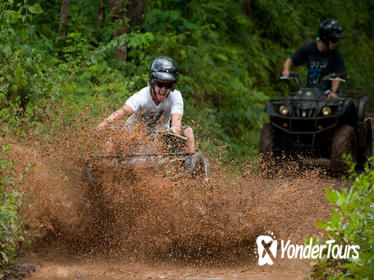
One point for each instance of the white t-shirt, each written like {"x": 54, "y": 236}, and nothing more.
{"x": 146, "y": 111}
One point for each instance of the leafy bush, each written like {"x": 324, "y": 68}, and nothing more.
{"x": 351, "y": 223}
{"x": 11, "y": 226}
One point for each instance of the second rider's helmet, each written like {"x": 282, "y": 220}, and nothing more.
{"x": 330, "y": 30}
{"x": 164, "y": 68}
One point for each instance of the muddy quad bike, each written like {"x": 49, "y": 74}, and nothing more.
{"x": 309, "y": 123}
{"x": 162, "y": 150}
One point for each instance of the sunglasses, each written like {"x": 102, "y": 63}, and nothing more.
{"x": 334, "y": 39}
{"x": 165, "y": 85}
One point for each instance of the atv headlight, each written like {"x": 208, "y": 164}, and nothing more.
{"x": 326, "y": 111}
{"x": 283, "y": 110}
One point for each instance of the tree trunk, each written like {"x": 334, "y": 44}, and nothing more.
{"x": 63, "y": 17}
{"x": 101, "y": 16}
{"x": 136, "y": 11}
{"x": 248, "y": 8}
{"x": 126, "y": 11}
{"x": 118, "y": 10}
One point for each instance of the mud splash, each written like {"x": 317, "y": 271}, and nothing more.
{"x": 144, "y": 216}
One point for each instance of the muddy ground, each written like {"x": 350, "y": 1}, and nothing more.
{"x": 144, "y": 225}
{"x": 141, "y": 224}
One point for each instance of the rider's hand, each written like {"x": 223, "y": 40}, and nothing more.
{"x": 286, "y": 73}
{"x": 332, "y": 94}
{"x": 101, "y": 126}
{"x": 176, "y": 130}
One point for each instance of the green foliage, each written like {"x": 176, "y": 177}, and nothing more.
{"x": 215, "y": 80}
{"x": 230, "y": 55}
{"x": 24, "y": 75}
{"x": 11, "y": 227}
{"x": 351, "y": 223}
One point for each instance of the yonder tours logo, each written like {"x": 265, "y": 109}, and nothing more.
{"x": 267, "y": 247}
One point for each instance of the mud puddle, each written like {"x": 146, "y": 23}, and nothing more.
{"x": 106, "y": 271}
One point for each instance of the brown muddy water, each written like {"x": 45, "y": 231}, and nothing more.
{"x": 140, "y": 224}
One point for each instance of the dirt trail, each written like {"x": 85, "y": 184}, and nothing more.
{"x": 141, "y": 225}
{"x": 105, "y": 271}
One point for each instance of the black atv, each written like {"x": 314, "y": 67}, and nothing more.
{"x": 161, "y": 150}
{"x": 310, "y": 124}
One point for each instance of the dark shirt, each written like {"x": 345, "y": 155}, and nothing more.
{"x": 319, "y": 63}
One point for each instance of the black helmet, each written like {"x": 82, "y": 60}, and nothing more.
{"x": 330, "y": 30}
{"x": 164, "y": 68}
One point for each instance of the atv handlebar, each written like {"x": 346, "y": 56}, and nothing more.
{"x": 170, "y": 133}
{"x": 334, "y": 77}
{"x": 293, "y": 76}
{"x": 329, "y": 77}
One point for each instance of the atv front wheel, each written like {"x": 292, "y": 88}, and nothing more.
{"x": 268, "y": 162}
{"x": 267, "y": 139}
{"x": 365, "y": 143}
{"x": 344, "y": 142}
{"x": 197, "y": 165}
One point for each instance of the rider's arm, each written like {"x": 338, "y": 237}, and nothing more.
{"x": 334, "y": 88}
{"x": 176, "y": 123}
{"x": 176, "y": 111}
{"x": 338, "y": 66}
{"x": 298, "y": 58}
{"x": 286, "y": 67}
{"x": 125, "y": 111}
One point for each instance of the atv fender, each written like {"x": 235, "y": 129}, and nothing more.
{"x": 269, "y": 108}
{"x": 361, "y": 108}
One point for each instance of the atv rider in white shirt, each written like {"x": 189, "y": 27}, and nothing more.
{"x": 157, "y": 103}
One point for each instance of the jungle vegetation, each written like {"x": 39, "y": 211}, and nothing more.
{"x": 230, "y": 55}
{"x": 96, "y": 53}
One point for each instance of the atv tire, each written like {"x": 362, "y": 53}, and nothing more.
{"x": 89, "y": 174}
{"x": 344, "y": 142}
{"x": 267, "y": 139}
{"x": 365, "y": 144}
{"x": 268, "y": 161}
{"x": 197, "y": 165}
{"x": 203, "y": 165}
